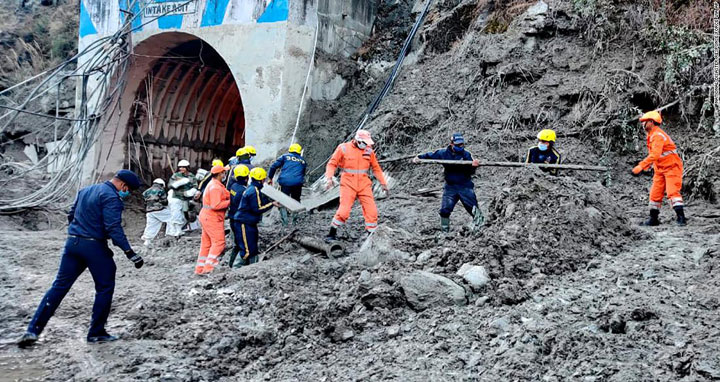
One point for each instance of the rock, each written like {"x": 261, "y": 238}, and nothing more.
{"x": 423, "y": 290}
{"x": 393, "y": 331}
{"x": 424, "y": 257}
{"x": 380, "y": 247}
{"x": 481, "y": 301}
{"x": 475, "y": 275}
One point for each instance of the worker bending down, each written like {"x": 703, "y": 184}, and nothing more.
{"x": 252, "y": 205}
{"x": 216, "y": 200}
{"x": 240, "y": 175}
{"x": 545, "y": 151}
{"x": 355, "y": 158}
{"x": 156, "y": 209}
{"x": 292, "y": 168}
{"x": 458, "y": 181}
{"x": 663, "y": 157}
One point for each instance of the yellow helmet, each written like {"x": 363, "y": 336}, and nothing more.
{"x": 652, "y": 116}
{"x": 217, "y": 162}
{"x": 250, "y": 150}
{"x": 241, "y": 171}
{"x": 295, "y": 148}
{"x": 258, "y": 173}
{"x": 240, "y": 152}
{"x": 546, "y": 135}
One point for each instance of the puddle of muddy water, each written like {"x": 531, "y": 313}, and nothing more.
{"x": 17, "y": 367}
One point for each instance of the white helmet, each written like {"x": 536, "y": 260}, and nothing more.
{"x": 183, "y": 163}
{"x": 159, "y": 181}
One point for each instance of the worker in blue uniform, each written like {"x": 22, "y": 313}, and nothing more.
{"x": 252, "y": 205}
{"x": 292, "y": 168}
{"x": 458, "y": 181}
{"x": 240, "y": 175}
{"x": 94, "y": 218}
{"x": 545, "y": 151}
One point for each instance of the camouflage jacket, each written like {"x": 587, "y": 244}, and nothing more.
{"x": 155, "y": 198}
{"x": 180, "y": 191}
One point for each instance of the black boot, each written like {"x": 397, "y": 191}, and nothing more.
{"x": 654, "y": 219}
{"x": 332, "y": 236}
{"x": 680, "y": 211}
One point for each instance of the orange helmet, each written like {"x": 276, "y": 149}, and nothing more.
{"x": 652, "y": 116}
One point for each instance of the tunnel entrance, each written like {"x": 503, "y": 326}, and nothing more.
{"x": 187, "y": 106}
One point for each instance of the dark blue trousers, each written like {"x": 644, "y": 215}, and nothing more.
{"x": 452, "y": 193}
{"x": 78, "y": 255}
{"x": 294, "y": 192}
{"x": 246, "y": 239}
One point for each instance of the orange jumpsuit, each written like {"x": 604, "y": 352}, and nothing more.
{"x": 355, "y": 182}
{"x": 216, "y": 200}
{"x": 662, "y": 154}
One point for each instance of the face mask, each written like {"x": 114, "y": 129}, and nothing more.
{"x": 123, "y": 194}
{"x": 458, "y": 149}
{"x": 542, "y": 146}
{"x": 361, "y": 145}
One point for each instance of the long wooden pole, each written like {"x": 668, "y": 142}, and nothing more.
{"x": 515, "y": 164}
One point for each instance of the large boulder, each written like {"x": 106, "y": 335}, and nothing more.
{"x": 423, "y": 290}
{"x": 381, "y": 247}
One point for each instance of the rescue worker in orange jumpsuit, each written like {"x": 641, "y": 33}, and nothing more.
{"x": 663, "y": 157}
{"x": 216, "y": 200}
{"x": 355, "y": 158}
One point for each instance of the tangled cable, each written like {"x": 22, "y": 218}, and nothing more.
{"x": 104, "y": 64}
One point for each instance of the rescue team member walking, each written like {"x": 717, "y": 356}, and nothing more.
{"x": 663, "y": 157}
{"x": 545, "y": 151}
{"x": 240, "y": 174}
{"x": 216, "y": 200}
{"x": 252, "y": 205}
{"x": 458, "y": 181}
{"x": 292, "y": 168}
{"x": 355, "y": 158}
{"x": 94, "y": 218}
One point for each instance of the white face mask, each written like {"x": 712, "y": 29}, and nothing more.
{"x": 542, "y": 146}
{"x": 361, "y": 145}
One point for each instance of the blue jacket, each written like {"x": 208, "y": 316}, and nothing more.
{"x": 550, "y": 156}
{"x": 97, "y": 214}
{"x": 292, "y": 169}
{"x": 456, "y": 175}
{"x": 236, "y": 193}
{"x": 253, "y": 204}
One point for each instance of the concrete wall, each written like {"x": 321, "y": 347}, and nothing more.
{"x": 267, "y": 45}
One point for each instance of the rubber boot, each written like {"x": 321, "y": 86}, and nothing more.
{"x": 295, "y": 218}
{"x": 680, "y": 211}
{"x": 654, "y": 219}
{"x": 478, "y": 218}
{"x": 284, "y": 216}
{"x": 445, "y": 224}
{"x": 332, "y": 236}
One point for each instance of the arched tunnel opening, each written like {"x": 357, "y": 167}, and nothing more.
{"x": 187, "y": 106}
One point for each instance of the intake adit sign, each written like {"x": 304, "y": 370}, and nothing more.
{"x": 157, "y": 9}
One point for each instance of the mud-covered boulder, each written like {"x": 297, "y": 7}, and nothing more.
{"x": 424, "y": 290}
{"x": 382, "y": 246}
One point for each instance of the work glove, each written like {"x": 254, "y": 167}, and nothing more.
{"x": 135, "y": 258}
{"x": 387, "y": 190}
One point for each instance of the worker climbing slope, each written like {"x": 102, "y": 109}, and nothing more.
{"x": 95, "y": 217}
{"x": 354, "y": 159}
{"x": 664, "y": 159}
{"x": 292, "y": 168}
{"x": 545, "y": 151}
{"x": 458, "y": 181}
{"x": 240, "y": 173}
{"x": 253, "y": 205}
{"x": 216, "y": 200}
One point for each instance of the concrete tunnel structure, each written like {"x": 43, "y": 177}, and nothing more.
{"x": 209, "y": 76}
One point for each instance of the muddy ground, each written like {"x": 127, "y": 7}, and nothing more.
{"x": 571, "y": 287}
